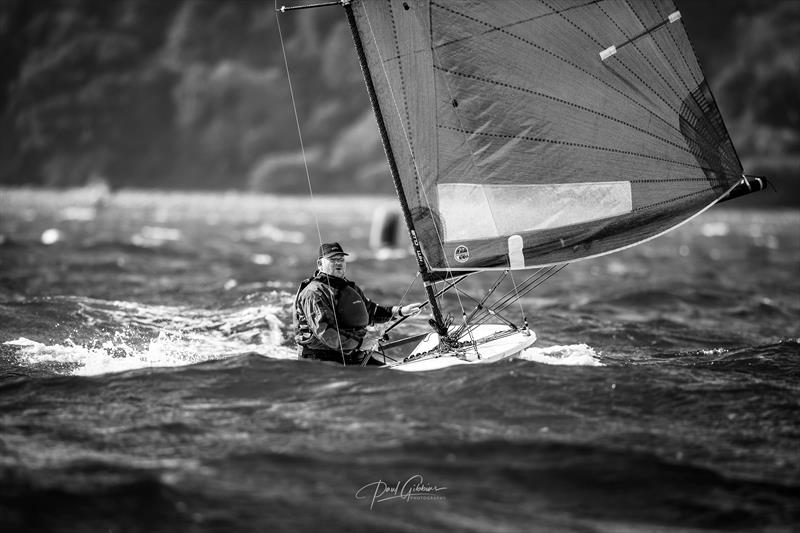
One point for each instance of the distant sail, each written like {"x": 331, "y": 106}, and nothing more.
{"x": 529, "y": 133}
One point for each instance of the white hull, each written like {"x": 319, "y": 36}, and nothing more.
{"x": 488, "y": 352}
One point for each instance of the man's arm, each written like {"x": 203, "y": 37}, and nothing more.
{"x": 378, "y": 314}
{"x": 381, "y": 313}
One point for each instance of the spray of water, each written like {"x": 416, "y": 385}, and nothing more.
{"x": 570, "y": 355}
{"x": 157, "y": 336}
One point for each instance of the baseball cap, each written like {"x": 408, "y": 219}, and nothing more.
{"x": 330, "y": 249}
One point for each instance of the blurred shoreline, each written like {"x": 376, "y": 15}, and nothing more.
{"x": 193, "y": 95}
{"x": 86, "y": 195}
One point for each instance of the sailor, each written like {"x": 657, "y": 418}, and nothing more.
{"x": 331, "y": 313}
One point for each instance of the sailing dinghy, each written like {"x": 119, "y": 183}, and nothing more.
{"x": 526, "y": 135}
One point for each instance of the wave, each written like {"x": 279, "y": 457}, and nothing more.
{"x": 107, "y": 336}
{"x": 777, "y": 361}
{"x": 171, "y": 349}
{"x": 167, "y": 350}
{"x": 117, "y": 336}
{"x": 550, "y": 485}
{"x": 570, "y": 355}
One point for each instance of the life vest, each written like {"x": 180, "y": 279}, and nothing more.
{"x": 349, "y": 303}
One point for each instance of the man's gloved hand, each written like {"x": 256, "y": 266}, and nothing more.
{"x": 370, "y": 343}
{"x": 410, "y": 309}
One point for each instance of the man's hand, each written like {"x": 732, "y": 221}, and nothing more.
{"x": 410, "y": 309}
{"x": 371, "y": 343}
{"x": 370, "y": 346}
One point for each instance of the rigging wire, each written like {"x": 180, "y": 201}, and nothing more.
{"x": 493, "y": 288}
{"x": 297, "y": 119}
{"x": 526, "y": 287}
{"x": 308, "y": 174}
{"x": 519, "y": 300}
{"x": 441, "y": 292}
{"x": 400, "y": 304}
{"x": 536, "y": 283}
{"x": 410, "y": 148}
{"x": 483, "y": 314}
{"x": 403, "y": 298}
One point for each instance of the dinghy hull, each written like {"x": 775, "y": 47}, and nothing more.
{"x": 426, "y": 356}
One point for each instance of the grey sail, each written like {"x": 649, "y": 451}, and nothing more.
{"x": 529, "y": 133}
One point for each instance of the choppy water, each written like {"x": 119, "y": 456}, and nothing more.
{"x": 147, "y": 384}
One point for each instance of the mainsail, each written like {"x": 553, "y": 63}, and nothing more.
{"x": 530, "y": 133}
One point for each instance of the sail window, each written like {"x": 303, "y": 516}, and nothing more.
{"x": 483, "y": 211}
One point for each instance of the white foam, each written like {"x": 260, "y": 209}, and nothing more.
{"x": 182, "y": 340}
{"x": 22, "y": 341}
{"x": 164, "y": 351}
{"x": 572, "y": 355}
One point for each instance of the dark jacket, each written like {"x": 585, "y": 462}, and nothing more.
{"x": 325, "y": 302}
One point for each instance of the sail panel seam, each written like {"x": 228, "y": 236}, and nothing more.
{"x": 647, "y": 59}
{"x": 577, "y": 106}
{"x": 661, "y": 50}
{"x": 579, "y": 145}
{"x": 631, "y": 71}
{"x": 716, "y": 126}
{"x": 677, "y": 47}
{"x": 533, "y": 44}
{"x": 690, "y": 112}
{"x": 563, "y": 60}
{"x": 517, "y": 23}
{"x": 710, "y": 92}
{"x": 668, "y": 180}
{"x": 405, "y": 98}
{"x": 675, "y": 199}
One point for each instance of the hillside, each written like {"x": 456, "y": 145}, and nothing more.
{"x": 193, "y": 93}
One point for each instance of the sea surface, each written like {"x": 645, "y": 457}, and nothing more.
{"x": 148, "y": 380}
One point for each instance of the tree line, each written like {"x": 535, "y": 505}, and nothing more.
{"x": 193, "y": 93}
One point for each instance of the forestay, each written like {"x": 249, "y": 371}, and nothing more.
{"x": 529, "y": 133}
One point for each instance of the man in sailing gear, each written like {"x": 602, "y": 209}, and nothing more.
{"x": 331, "y": 313}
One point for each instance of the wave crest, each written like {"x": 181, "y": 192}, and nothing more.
{"x": 569, "y": 355}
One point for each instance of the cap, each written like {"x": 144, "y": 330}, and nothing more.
{"x": 330, "y": 249}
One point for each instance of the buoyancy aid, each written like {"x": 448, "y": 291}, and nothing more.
{"x": 354, "y": 312}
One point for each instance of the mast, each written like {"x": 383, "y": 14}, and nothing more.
{"x": 438, "y": 321}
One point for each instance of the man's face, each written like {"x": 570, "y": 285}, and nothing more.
{"x": 332, "y": 266}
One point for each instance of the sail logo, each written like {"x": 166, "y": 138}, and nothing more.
{"x": 461, "y": 254}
